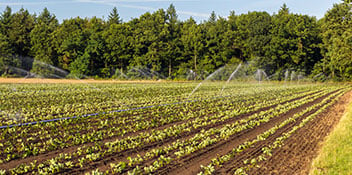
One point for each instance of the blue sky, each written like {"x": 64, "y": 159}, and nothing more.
{"x": 199, "y": 9}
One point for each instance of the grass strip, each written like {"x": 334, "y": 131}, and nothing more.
{"x": 336, "y": 155}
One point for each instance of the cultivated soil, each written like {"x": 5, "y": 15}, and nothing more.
{"x": 294, "y": 157}
{"x": 191, "y": 164}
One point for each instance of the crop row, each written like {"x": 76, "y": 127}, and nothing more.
{"x": 211, "y": 137}
{"x": 317, "y": 108}
{"x": 83, "y": 98}
{"x": 87, "y": 154}
{"x": 124, "y": 119}
{"x": 33, "y": 106}
{"x": 57, "y": 136}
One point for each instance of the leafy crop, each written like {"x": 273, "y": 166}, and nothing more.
{"x": 149, "y": 140}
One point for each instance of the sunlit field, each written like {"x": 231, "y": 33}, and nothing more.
{"x": 157, "y": 127}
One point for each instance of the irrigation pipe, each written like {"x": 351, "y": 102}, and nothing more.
{"x": 102, "y": 113}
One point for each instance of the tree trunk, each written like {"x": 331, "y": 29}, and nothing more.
{"x": 195, "y": 67}
{"x": 170, "y": 68}
{"x": 6, "y": 70}
{"x": 195, "y": 63}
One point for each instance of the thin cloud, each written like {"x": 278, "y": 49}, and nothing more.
{"x": 194, "y": 14}
{"x": 146, "y": 8}
{"x": 34, "y": 3}
{"x": 137, "y": 7}
{"x": 112, "y": 1}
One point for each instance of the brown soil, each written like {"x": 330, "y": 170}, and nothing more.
{"x": 45, "y": 156}
{"x": 291, "y": 155}
{"x": 104, "y": 164}
{"x": 296, "y": 156}
{"x": 255, "y": 150}
{"x": 191, "y": 164}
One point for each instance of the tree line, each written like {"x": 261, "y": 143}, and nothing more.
{"x": 162, "y": 43}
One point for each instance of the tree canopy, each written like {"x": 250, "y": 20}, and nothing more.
{"x": 160, "y": 42}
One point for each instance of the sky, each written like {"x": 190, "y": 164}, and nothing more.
{"x": 198, "y": 9}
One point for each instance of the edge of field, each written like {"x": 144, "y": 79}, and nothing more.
{"x": 4, "y": 80}
{"x": 74, "y": 81}
{"x": 336, "y": 153}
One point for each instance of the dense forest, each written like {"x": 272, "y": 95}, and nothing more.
{"x": 160, "y": 42}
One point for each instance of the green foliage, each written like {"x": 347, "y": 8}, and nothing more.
{"x": 22, "y": 23}
{"x": 114, "y": 17}
{"x": 95, "y": 138}
{"x": 5, "y": 20}
{"x": 79, "y": 67}
{"x": 337, "y": 42}
{"x": 159, "y": 41}
{"x": 41, "y": 41}
{"x": 118, "y": 38}
{"x": 295, "y": 42}
{"x": 6, "y": 58}
{"x": 7, "y": 52}
{"x": 70, "y": 41}
{"x": 192, "y": 38}
{"x": 96, "y": 47}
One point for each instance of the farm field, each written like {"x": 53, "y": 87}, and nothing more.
{"x": 165, "y": 128}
